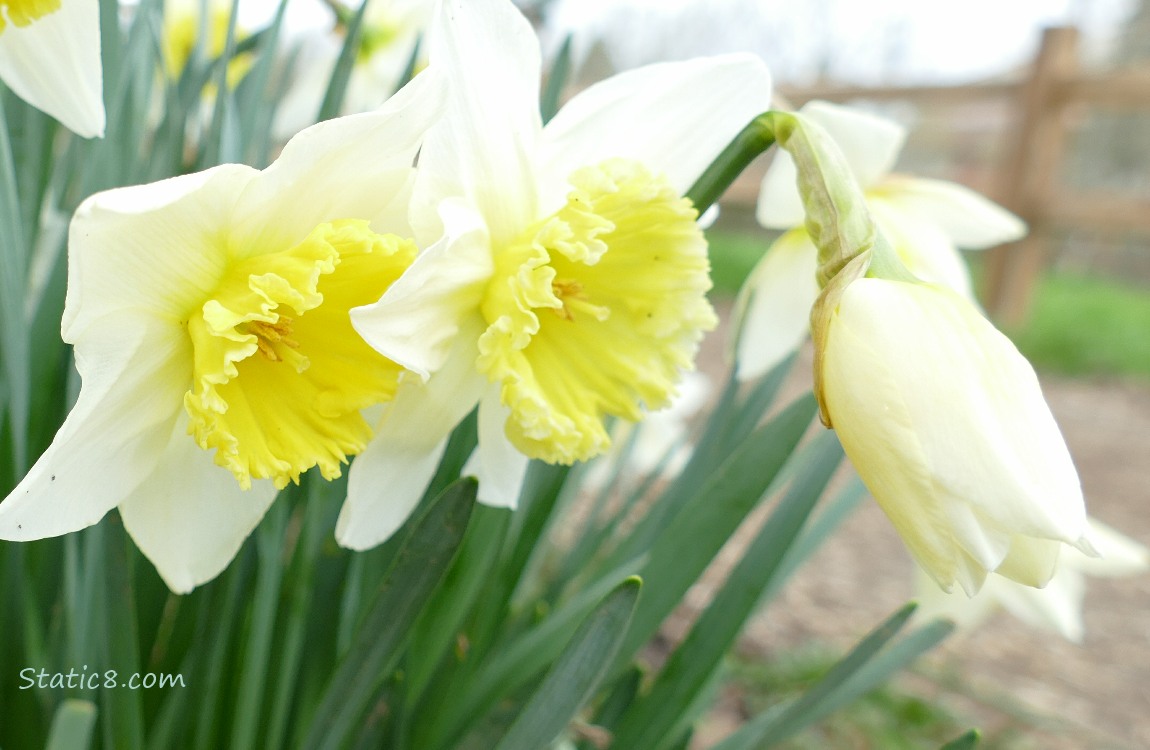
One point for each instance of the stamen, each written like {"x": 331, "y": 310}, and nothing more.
{"x": 565, "y": 290}
{"x": 268, "y": 334}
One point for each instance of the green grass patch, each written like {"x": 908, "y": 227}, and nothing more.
{"x": 1083, "y": 325}
{"x": 733, "y": 256}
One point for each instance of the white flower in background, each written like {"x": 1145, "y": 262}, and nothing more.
{"x": 50, "y": 57}
{"x": 659, "y": 441}
{"x": 1058, "y": 606}
{"x": 946, "y": 425}
{"x": 388, "y": 35}
{"x": 209, "y": 314}
{"x": 925, "y": 220}
{"x": 570, "y": 282}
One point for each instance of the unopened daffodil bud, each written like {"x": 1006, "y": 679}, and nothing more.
{"x": 941, "y": 416}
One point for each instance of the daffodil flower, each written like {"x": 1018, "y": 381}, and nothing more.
{"x": 1058, "y": 606}
{"x": 946, "y": 425}
{"x": 926, "y": 221}
{"x": 50, "y": 57}
{"x": 209, "y": 315}
{"x": 940, "y": 415}
{"x": 570, "y": 284}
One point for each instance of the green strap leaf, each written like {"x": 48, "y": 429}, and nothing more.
{"x": 576, "y": 674}
{"x": 862, "y": 670}
{"x": 665, "y": 710}
{"x": 681, "y": 553}
{"x": 968, "y": 741}
{"x": 418, "y": 568}
{"x": 72, "y": 726}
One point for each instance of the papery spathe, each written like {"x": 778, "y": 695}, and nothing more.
{"x": 925, "y": 221}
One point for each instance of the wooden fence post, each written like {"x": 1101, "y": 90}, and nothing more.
{"x": 1030, "y": 179}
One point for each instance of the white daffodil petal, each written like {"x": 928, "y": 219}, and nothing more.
{"x": 774, "y": 305}
{"x": 54, "y": 64}
{"x": 923, "y": 247}
{"x": 496, "y": 463}
{"x": 148, "y": 248}
{"x": 1056, "y": 607}
{"x": 870, "y": 145}
{"x": 135, "y": 375}
{"x": 484, "y": 148}
{"x": 985, "y": 444}
{"x": 419, "y": 317}
{"x": 189, "y": 517}
{"x": 387, "y": 480}
{"x": 1119, "y": 555}
{"x": 674, "y": 117}
{"x": 965, "y": 611}
{"x": 968, "y": 219}
{"x": 345, "y": 167}
{"x": 780, "y": 206}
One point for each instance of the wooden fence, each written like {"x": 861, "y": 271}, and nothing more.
{"x": 1028, "y": 179}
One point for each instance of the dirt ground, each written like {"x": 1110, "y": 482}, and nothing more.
{"x": 1067, "y": 696}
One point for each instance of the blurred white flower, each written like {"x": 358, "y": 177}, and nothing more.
{"x": 50, "y": 57}
{"x": 926, "y": 221}
{"x": 1058, "y": 606}
{"x": 390, "y": 31}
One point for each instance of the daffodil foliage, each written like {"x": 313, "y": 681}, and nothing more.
{"x": 348, "y": 425}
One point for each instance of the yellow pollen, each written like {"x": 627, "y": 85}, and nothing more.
{"x": 25, "y": 12}
{"x": 566, "y": 290}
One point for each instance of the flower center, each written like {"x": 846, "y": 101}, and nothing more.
{"x": 280, "y": 376}
{"x": 25, "y": 12}
{"x": 622, "y": 269}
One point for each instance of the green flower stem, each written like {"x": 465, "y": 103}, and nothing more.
{"x": 754, "y": 139}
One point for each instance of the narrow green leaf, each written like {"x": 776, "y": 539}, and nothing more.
{"x": 435, "y": 632}
{"x": 72, "y": 726}
{"x": 341, "y": 74}
{"x": 968, "y": 741}
{"x": 576, "y": 674}
{"x": 733, "y": 419}
{"x": 14, "y": 348}
{"x": 212, "y": 685}
{"x": 862, "y": 670}
{"x": 261, "y": 629}
{"x": 665, "y": 710}
{"x": 697, "y": 533}
{"x": 419, "y": 567}
{"x": 122, "y": 712}
{"x": 556, "y": 81}
{"x": 510, "y": 667}
{"x": 315, "y": 528}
